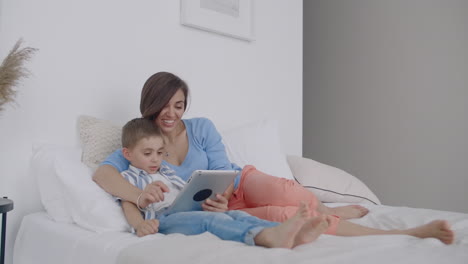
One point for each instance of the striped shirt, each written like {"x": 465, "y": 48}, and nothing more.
{"x": 141, "y": 179}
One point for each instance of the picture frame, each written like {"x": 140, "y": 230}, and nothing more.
{"x": 231, "y": 18}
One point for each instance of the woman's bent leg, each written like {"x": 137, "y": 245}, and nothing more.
{"x": 273, "y": 213}
{"x": 258, "y": 189}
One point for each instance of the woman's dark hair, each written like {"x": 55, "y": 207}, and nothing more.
{"x": 157, "y": 91}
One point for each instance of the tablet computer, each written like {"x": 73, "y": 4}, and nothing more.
{"x": 202, "y": 184}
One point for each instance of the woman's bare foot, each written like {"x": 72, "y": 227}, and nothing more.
{"x": 284, "y": 235}
{"x": 439, "y": 229}
{"x": 348, "y": 211}
{"x": 311, "y": 230}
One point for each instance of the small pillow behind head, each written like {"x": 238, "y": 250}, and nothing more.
{"x": 99, "y": 138}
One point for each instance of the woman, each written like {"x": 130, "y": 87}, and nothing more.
{"x": 193, "y": 144}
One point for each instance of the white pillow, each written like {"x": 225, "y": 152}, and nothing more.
{"x": 50, "y": 189}
{"x": 257, "y": 144}
{"x": 330, "y": 184}
{"x": 99, "y": 138}
{"x": 90, "y": 206}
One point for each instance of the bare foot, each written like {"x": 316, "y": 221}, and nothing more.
{"x": 284, "y": 235}
{"x": 349, "y": 211}
{"x": 311, "y": 230}
{"x": 439, "y": 229}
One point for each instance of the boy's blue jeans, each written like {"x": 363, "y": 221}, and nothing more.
{"x": 231, "y": 225}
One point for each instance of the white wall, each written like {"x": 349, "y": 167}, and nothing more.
{"x": 94, "y": 57}
{"x": 386, "y": 96}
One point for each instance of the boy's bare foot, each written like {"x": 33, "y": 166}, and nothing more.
{"x": 284, "y": 235}
{"x": 349, "y": 211}
{"x": 439, "y": 229}
{"x": 311, "y": 230}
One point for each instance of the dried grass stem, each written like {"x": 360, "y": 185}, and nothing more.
{"x": 12, "y": 70}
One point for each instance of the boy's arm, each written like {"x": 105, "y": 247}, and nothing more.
{"x": 135, "y": 219}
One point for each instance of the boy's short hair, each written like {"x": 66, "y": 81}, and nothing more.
{"x": 136, "y": 129}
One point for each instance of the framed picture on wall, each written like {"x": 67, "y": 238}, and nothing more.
{"x": 227, "y": 17}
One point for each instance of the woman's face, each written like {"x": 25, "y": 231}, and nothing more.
{"x": 171, "y": 115}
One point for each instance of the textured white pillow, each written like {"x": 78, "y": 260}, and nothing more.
{"x": 330, "y": 184}
{"x": 99, "y": 138}
{"x": 50, "y": 189}
{"x": 257, "y": 144}
{"x": 90, "y": 206}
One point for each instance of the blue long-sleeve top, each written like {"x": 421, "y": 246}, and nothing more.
{"x": 206, "y": 151}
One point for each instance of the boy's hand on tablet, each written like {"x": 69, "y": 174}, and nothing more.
{"x": 153, "y": 193}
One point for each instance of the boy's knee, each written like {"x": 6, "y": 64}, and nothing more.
{"x": 237, "y": 214}
{"x": 212, "y": 216}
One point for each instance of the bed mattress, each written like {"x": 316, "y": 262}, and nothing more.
{"x": 42, "y": 240}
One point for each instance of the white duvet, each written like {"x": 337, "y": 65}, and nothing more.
{"x": 41, "y": 240}
{"x": 207, "y": 248}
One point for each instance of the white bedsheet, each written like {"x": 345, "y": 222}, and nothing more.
{"x": 41, "y": 240}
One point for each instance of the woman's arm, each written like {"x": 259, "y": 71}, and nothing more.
{"x": 228, "y": 192}
{"x": 109, "y": 179}
{"x": 221, "y": 202}
{"x": 214, "y": 147}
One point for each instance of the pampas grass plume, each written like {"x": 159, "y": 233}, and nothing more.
{"x": 12, "y": 71}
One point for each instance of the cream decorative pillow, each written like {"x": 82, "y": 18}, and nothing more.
{"x": 99, "y": 138}
{"x": 330, "y": 184}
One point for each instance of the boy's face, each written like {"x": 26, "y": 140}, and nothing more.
{"x": 147, "y": 154}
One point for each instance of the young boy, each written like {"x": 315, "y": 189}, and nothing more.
{"x": 143, "y": 146}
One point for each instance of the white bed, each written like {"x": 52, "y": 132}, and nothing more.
{"x": 81, "y": 223}
{"x": 43, "y": 240}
